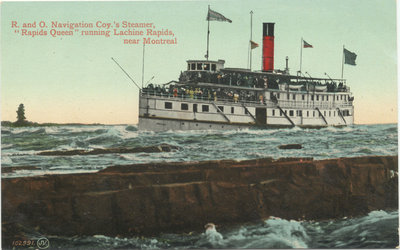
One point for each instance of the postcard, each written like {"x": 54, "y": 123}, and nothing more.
{"x": 199, "y": 124}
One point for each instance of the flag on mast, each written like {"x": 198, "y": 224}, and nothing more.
{"x": 215, "y": 16}
{"x": 253, "y": 45}
{"x": 306, "y": 45}
{"x": 349, "y": 57}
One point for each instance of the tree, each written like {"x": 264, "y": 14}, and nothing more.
{"x": 21, "y": 114}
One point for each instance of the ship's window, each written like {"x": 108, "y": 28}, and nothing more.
{"x": 288, "y": 96}
{"x": 204, "y": 108}
{"x": 281, "y": 113}
{"x": 194, "y": 107}
{"x": 312, "y": 97}
{"x": 207, "y": 66}
{"x": 317, "y": 97}
{"x": 188, "y": 66}
{"x": 313, "y": 113}
{"x": 341, "y": 97}
{"x": 213, "y": 67}
{"x": 294, "y": 97}
{"x": 182, "y": 123}
{"x": 232, "y": 110}
{"x": 324, "y": 113}
{"x": 327, "y": 97}
{"x": 193, "y": 66}
{"x": 221, "y": 108}
{"x": 299, "y": 112}
{"x": 291, "y": 113}
{"x": 168, "y": 105}
{"x": 199, "y": 66}
{"x": 184, "y": 106}
{"x": 323, "y": 97}
{"x": 329, "y": 113}
{"x": 337, "y": 98}
{"x": 302, "y": 97}
{"x": 273, "y": 112}
{"x": 308, "y": 113}
{"x": 278, "y": 95}
{"x": 334, "y": 113}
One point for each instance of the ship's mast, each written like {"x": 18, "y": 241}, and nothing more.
{"x": 208, "y": 31}
{"x": 251, "y": 37}
{"x": 143, "y": 66}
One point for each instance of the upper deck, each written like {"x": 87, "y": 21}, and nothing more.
{"x": 214, "y": 72}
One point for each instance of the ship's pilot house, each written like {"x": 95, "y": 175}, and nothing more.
{"x": 204, "y": 65}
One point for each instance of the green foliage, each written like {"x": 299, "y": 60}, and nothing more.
{"x": 21, "y": 114}
{"x": 21, "y": 119}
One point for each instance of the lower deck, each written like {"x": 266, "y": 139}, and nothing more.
{"x": 160, "y": 114}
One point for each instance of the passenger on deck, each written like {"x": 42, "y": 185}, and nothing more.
{"x": 235, "y": 97}
{"x": 265, "y": 82}
{"x": 261, "y": 98}
{"x": 219, "y": 78}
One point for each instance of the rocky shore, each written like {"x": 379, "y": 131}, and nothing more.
{"x": 147, "y": 199}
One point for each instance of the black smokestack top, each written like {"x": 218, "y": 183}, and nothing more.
{"x": 268, "y": 29}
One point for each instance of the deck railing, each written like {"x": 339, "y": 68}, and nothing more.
{"x": 251, "y": 103}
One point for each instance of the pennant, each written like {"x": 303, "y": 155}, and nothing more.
{"x": 253, "y": 45}
{"x": 349, "y": 57}
{"x": 215, "y": 16}
{"x": 306, "y": 45}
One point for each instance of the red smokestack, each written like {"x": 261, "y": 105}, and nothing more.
{"x": 268, "y": 47}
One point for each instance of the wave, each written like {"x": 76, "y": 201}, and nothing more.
{"x": 241, "y": 144}
{"x": 131, "y": 128}
{"x": 5, "y": 131}
{"x": 30, "y": 131}
{"x": 378, "y": 229}
{"x": 366, "y": 151}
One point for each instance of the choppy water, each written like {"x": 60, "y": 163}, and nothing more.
{"x": 379, "y": 229}
{"x": 20, "y": 145}
{"x": 376, "y": 230}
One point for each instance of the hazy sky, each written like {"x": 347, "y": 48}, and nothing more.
{"x": 73, "y": 79}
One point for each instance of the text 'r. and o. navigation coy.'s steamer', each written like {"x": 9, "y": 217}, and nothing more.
{"x": 210, "y": 96}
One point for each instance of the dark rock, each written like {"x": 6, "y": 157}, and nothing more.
{"x": 148, "y": 199}
{"x": 300, "y": 159}
{"x": 290, "y": 146}
{"x": 97, "y": 151}
{"x": 13, "y": 169}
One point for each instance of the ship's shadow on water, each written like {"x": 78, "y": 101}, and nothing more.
{"x": 378, "y": 229}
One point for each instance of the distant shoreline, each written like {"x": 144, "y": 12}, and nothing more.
{"x": 48, "y": 124}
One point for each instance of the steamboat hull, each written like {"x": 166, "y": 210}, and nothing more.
{"x": 163, "y": 113}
